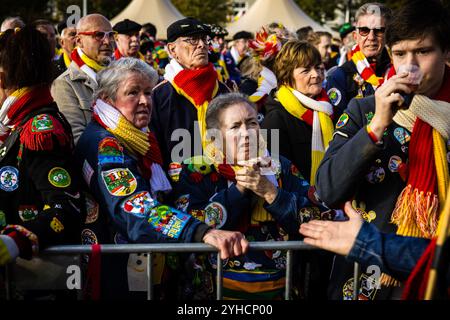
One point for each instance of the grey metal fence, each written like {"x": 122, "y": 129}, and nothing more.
{"x": 149, "y": 249}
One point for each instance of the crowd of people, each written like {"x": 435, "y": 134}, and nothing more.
{"x": 112, "y": 136}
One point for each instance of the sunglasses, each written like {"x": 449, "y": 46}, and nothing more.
{"x": 364, "y": 31}
{"x": 99, "y": 35}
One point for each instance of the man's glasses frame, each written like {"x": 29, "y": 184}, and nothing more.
{"x": 364, "y": 31}
{"x": 194, "y": 40}
{"x": 99, "y": 35}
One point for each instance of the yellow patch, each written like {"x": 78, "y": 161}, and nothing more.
{"x": 56, "y": 225}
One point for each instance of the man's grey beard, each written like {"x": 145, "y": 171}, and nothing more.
{"x": 106, "y": 61}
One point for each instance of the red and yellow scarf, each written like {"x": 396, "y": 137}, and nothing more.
{"x": 364, "y": 68}
{"x": 118, "y": 55}
{"x": 86, "y": 64}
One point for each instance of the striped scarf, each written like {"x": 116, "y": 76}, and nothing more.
{"x": 267, "y": 81}
{"x": 198, "y": 86}
{"x": 86, "y": 64}
{"x": 364, "y": 69}
{"x": 316, "y": 113}
{"x": 141, "y": 143}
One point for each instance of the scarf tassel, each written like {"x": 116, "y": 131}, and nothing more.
{"x": 43, "y": 141}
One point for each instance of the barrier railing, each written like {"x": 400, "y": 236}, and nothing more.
{"x": 149, "y": 249}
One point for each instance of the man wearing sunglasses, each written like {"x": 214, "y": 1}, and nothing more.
{"x": 364, "y": 72}
{"x": 73, "y": 89}
{"x": 191, "y": 81}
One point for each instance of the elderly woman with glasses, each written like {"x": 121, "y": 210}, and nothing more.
{"x": 121, "y": 164}
{"x": 237, "y": 186}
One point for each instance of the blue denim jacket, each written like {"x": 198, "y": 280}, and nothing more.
{"x": 394, "y": 254}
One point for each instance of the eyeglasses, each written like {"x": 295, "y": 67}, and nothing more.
{"x": 364, "y": 31}
{"x": 99, "y": 35}
{"x": 193, "y": 41}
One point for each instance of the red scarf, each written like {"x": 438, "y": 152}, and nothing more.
{"x": 308, "y": 116}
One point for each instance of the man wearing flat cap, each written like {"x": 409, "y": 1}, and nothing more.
{"x": 191, "y": 82}
{"x": 238, "y": 51}
{"x": 127, "y": 39}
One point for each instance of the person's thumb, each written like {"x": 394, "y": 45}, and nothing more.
{"x": 350, "y": 212}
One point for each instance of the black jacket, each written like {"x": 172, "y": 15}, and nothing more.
{"x": 295, "y": 135}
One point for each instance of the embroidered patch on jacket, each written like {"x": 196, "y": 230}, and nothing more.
{"x": 2, "y": 219}
{"x": 168, "y": 221}
{"x": 56, "y": 225}
{"x": 59, "y": 177}
{"x": 92, "y": 209}
{"x": 119, "y": 182}
{"x": 87, "y": 172}
{"x": 335, "y": 96}
{"x": 139, "y": 204}
{"x": 110, "y": 151}
{"x": 174, "y": 171}
{"x": 342, "y": 121}
{"x": 215, "y": 215}
{"x": 9, "y": 179}
{"x": 182, "y": 203}
{"x": 402, "y": 135}
{"x": 42, "y": 123}
{"x": 28, "y": 213}
{"x": 88, "y": 237}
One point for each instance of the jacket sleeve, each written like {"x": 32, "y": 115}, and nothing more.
{"x": 347, "y": 159}
{"x": 118, "y": 186}
{"x": 336, "y": 87}
{"x": 69, "y": 103}
{"x": 394, "y": 254}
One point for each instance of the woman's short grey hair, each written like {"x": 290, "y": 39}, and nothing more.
{"x": 373, "y": 8}
{"x": 110, "y": 78}
{"x": 221, "y": 103}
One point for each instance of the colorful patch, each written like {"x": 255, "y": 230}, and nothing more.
{"x": 182, "y": 203}
{"x": 92, "y": 209}
{"x": 139, "y": 204}
{"x": 376, "y": 175}
{"x": 198, "y": 214}
{"x": 168, "y": 221}
{"x": 59, "y": 177}
{"x": 335, "y": 96}
{"x": 119, "y": 182}
{"x": 307, "y": 214}
{"x": 394, "y": 163}
{"x": 342, "y": 121}
{"x": 405, "y": 149}
{"x": 2, "y": 219}
{"x": 56, "y": 225}
{"x": 402, "y": 135}
{"x": 110, "y": 151}
{"x": 295, "y": 172}
{"x": 367, "y": 291}
{"x": 9, "y": 179}
{"x": 174, "y": 171}
{"x": 28, "y": 213}
{"x": 42, "y": 123}
{"x": 369, "y": 117}
{"x": 361, "y": 208}
{"x": 215, "y": 215}
{"x": 88, "y": 237}
{"x": 87, "y": 172}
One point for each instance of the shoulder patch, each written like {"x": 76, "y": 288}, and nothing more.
{"x": 342, "y": 121}
{"x": 119, "y": 182}
{"x": 39, "y": 132}
{"x": 110, "y": 151}
{"x": 42, "y": 123}
{"x": 59, "y": 177}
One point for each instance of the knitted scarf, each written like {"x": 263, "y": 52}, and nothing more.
{"x": 140, "y": 143}
{"x": 316, "y": 113}
{"x": 416, "y": 212}
{"x": 198, "y": 86}
{"x": 67, "y": 59}
{"x": 86, "y": 64}
{"x": 364, "y": 69}
{"x": 17, "y": 106}
{"x": 118, "y": 55}
{"x": 267, "y": 81}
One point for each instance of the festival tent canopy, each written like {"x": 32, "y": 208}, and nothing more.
{"x": 264, "y": 12}
{"x": 159, "y": 12}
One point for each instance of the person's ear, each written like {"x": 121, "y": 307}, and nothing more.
{"x": 171, "y": 48}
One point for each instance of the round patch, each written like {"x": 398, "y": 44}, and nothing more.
{"x": 42, "y": 123}
{"x": 88, "y": 237}
{"x": 92, "y": 209}
{"x": 9, "y": 179}
{"x": 110, "y": 151}
{"x": 215, "y": 215}
{"x": 376, "y": 175}
{"x": 174, "y": 171}
{"x": 119, "y": 182}
{"x": 182, "y": 203}
{"x": 342, "y": 121}
{"x": 394, "y": 163}
{"x": 59, "y": 177}
{"x": 27, "y": 213}
{"x": 335, "y": 96}
{"x": 139, "y": 204}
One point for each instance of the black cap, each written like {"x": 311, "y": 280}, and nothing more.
{"x": 61, "y": 26}
{"x": 243, "y": 35}
{"x": 186, "y": 27}
{"x": 127, "y": 27}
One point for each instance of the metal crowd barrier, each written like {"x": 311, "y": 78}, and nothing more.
{"x": 149, "y": 249}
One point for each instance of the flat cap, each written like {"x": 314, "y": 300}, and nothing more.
{"x": 243, "y": 35}
{"x": 186, "y": 27}
{"x": 127, "y": 27}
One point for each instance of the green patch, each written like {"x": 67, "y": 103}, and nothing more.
{"x": 2, "y": 219}
{"x": 342, "y": 121}
{"x": 42, "y": 123}
{"x": 119, "y": 182}
{"x": 59, "y": 177}
{"x": 369, "y": 117}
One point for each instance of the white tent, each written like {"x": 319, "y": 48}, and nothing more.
{"x": 159, "y": 12}
{"x": 264, "y": 12}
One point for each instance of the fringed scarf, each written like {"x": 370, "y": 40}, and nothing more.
{"x": 198, "y": 86}
{"x": 416, "y": 212}
{"x": 267, "y": 81}
{"x": 365, "y": 70}
{"x": 316, "y": 113}
{"x": 86, "y": 64}
{"x": 141, "y": 143}
{"x": 118, "y": 55}
{"x": 21, "y": 103}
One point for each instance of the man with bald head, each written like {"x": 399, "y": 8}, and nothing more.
{"x": 73, "y": 90}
